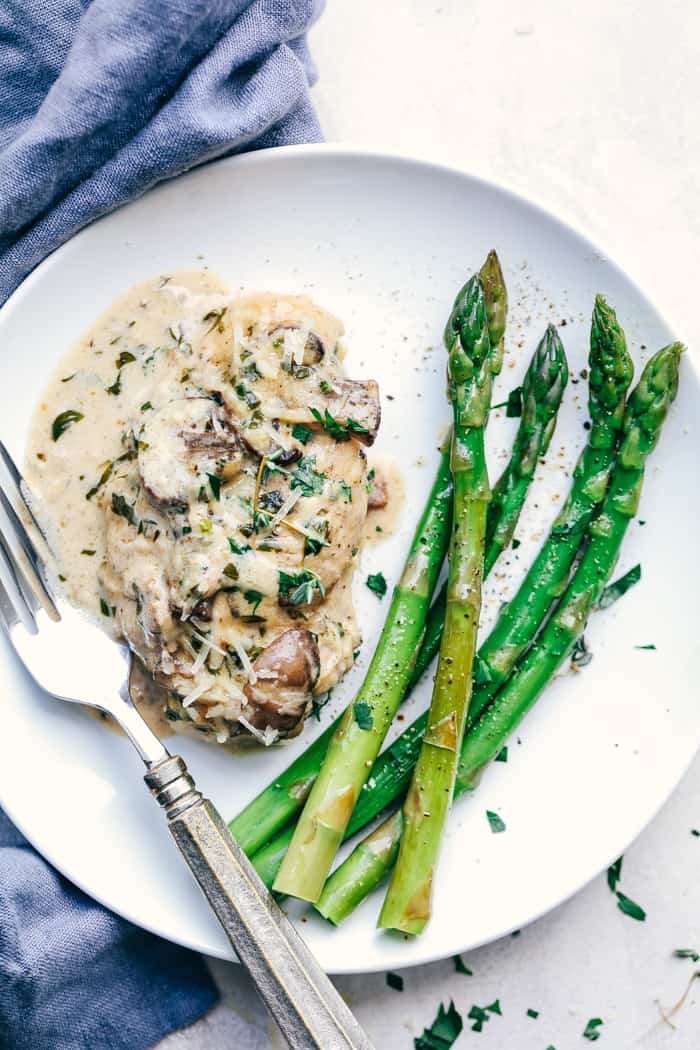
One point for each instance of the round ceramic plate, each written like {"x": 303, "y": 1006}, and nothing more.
{"x": 384, "y": 243}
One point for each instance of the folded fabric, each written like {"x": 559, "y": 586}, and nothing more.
{"x": 99, "y": 101}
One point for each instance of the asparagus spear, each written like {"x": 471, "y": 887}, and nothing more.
{"x": 407, "y": 905}
{"x": 646, "y": 412}
{"x": 260, "y": 827}
{"x": 285, "y": 796}
{"x": 542, "y": 390}
{"x": 355, "y": 743}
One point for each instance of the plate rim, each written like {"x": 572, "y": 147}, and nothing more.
{"x": 356, "y": 151}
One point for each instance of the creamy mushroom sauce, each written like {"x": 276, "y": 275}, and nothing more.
{"x": 199, "y": 507}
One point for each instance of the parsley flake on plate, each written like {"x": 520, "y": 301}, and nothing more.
{"x": 363, "y": 714}
{"x": 377, "y": 583}
{"x": 63, "y": 421}
{"x": 496, "y": 824}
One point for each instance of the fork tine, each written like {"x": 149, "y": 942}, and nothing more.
{"x": 20, "y": 485}
{"x": 28, "y": 602}
{"x": 34, "y": 561}
{"x": 8, "y": 613}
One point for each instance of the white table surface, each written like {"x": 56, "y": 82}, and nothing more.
{"x": 590, "y": 108}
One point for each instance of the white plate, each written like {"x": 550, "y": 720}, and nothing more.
{"x": 385, "y": 243}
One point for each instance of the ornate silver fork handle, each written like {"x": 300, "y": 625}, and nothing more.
{"x": 298, "y": 993}
{"x": 72, "y": 659}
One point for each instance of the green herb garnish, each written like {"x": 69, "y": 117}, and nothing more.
{"x": 122, "y": 508}
{"x": 443, "y": 1031}
{"x": 630, "y": 907}
{"x": 125, "y": 358}
{"x": 298, "y": 588}
{"x": 395, "y": 981}
{"x": 145, "y": 406}
{"x": 215, "y": 485}
{"x": 376, "y": 582}
{"x": 496, "y": 824}
{"x": 88, "y": 552}
{"x": 63, "y": 421}
{"x": 534, "y": 1014}
{"x": 318, "y": 703}
{"x": 502, "y": 755}
{"x": 362, "y": 713}
{"x": 302, "y": 433}
{"x": 216, "y": 317}
{"x": 460, "y": 966}
{"x": 337, "y": 430}
{"x": 236, "y": 548}
{"x": 104, "y": 608}
{"x": 581, "y": 655}
{"x": 253, "y": 598}
{"x": 686, "y": 953}
{"x": 614, "y": 873}
{"x": 591, "y": 1030}
{"x": 649, "y": 648}
{"x": 306, "y": 478}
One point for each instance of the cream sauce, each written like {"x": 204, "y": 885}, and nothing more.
{"x": 149, "y": 563}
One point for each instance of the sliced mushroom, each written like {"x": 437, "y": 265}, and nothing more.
{"x": 180, "y": 444}
{"x": 356, "y": 399}
{"x": 378, "y": 495}
{"x": 287, "y": 671}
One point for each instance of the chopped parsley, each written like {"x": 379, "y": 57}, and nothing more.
{"x": 216, "y": 317}
{"x": 591, "y": 1030}
{"x": 337, "y": 430}
{"x": 231, "y": 571}
{"x": 252, "y": 400}
{"x": 614, "y": 873}
{"x": 145, "y": 406}
{"x": 686, "y": 953}
{"x": 215, "y": 485}
{"x": 325, "y": 387}
{"x": 298, "y": 588}
{"x": 362, "y": 713}
{"x": 123, "y": 508}
{"x": 306, "y": 478}
{"x": 461, "y": 967}
{"x": 88, "y": 552}
{"x": 236, "y": 548}
{"x": 302, "y": 433}
{"x": 534, "y": 1014}
{"x": 619, "y": 587}
{"x": 271, "y": 501}
{"x": 63, "y": 421}
{"x": 443, "y": 1031}
{"x": 104, "y": 608}
{"x": 313, "y": 544}
{"x": 395, "y": 981}
{"x": 253, "y": 598}
{"x": 125, "y": 358}
{"x": 496, "y": 824}
{"x": 480, "y": 1014}
{"x": 502, "y": 755}
{"x": 650, "y": 647}
{"x": 346, "y": 490}
{"x": 376, "y": 582}
{"x": 630, "y": 907}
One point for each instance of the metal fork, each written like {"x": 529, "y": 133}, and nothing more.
{"x": 72, "y": 659}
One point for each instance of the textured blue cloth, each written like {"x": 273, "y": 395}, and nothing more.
{"x": 98, "y": 102}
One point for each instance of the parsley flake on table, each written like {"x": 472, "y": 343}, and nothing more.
{"x": 630, "y": 907}
{"x": 614, "y": 873}
{"x": 376, "y": 582}
{"x": 534, "y": 1014}
{"x": 442, "y": 1032}
{"x": 686, "y": 953}
{"x": 591, "y": 1030}
{"x": 460, "y": 966}
{"x": 395, "y": 981}
{"x": 363, "y": 714}
{"x": 496, "y": 824}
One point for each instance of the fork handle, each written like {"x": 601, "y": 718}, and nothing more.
{"x": 297, "y": 992}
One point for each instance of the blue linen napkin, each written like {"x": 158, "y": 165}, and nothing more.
{"x": 99, "y": 101}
